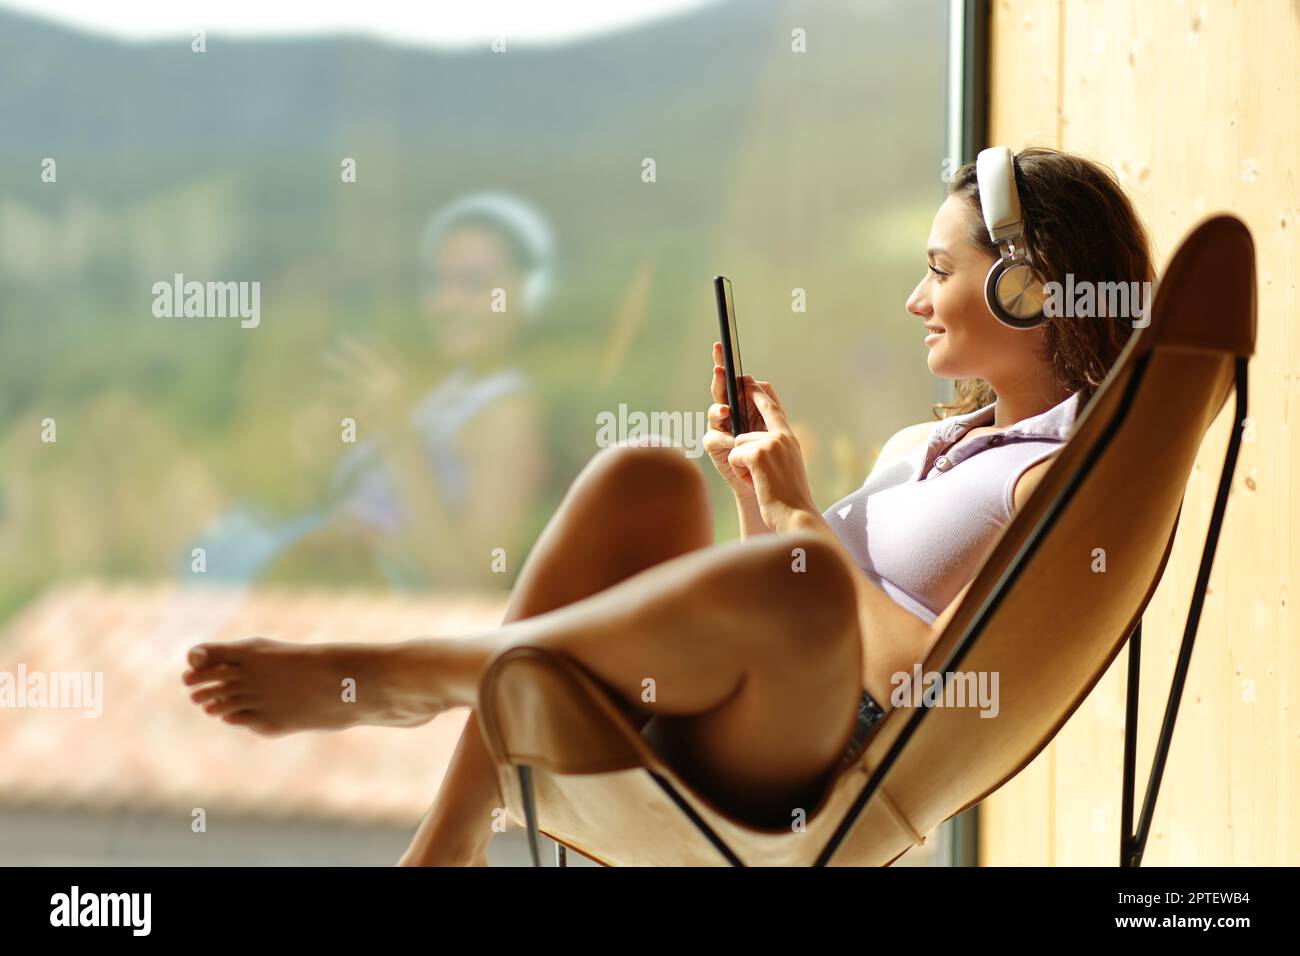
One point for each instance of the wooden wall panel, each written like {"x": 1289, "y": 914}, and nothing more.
{"x": 1024, "y": 74}
{"x": 1193, "y": 104}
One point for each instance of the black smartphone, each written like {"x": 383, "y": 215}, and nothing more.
{"x": 735, "y": 372}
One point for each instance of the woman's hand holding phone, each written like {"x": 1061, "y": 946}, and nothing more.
{"x": 763, "y": 466}
{"x": 718, "y": 440}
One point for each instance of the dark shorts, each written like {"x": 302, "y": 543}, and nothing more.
{"x": 870, "y": 714}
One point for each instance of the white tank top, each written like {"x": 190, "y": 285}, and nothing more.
{"x": 921, "y": 525}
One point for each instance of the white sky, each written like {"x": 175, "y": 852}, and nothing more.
{"x": 433, "y": 22}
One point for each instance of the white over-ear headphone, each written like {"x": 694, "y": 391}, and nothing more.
{"x": 1013, "y": 292}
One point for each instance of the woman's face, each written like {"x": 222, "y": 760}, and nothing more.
{"x": 963, "y": 338}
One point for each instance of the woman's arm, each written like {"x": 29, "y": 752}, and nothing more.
{"x": 773, "y": 462}
{"x": 751, "y": 518}
{"x": 898, "y": 639}
{"x": 903, "y": 441}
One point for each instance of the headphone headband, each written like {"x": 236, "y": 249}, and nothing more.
{"x": 996, "y": 176}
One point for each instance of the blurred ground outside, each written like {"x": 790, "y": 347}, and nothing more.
{"x": 122, "y": 788}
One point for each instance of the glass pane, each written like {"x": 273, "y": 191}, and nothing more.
{"x": 307, "y": 326}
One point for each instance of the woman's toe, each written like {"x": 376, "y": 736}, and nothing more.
{"x": 200, "y": 656}
{"x": 214, "y": 692}
{"x": 206, "y": 675}
{"x": 229, "y": 705}
{"x": 208, "y": 655}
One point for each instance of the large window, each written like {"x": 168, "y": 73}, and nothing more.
{"x": 315, "y": 318}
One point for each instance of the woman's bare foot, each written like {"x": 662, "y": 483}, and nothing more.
{"x": 274, "y": 688}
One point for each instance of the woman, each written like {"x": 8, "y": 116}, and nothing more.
{"x": 760, "y": 650}
{"x": 459, "y": 462}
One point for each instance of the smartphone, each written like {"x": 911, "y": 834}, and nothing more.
{"x": 735, "y": 372}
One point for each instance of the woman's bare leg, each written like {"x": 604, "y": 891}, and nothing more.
{"x": 753, "y": 648}
{"x": 757, "y": 666}
{"x": 628, "y": 509}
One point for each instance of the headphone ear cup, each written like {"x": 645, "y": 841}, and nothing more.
{"x": 537, "y": 287}
{"x": 1014, "y": 295}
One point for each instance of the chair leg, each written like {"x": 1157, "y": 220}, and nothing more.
{"x": 530, "y": 811}
{"x": 561, "y": 858}
{"x": 1130, "y": 744}
{"x": 1133, "y": 842}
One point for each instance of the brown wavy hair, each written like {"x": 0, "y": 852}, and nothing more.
{"x": 1077, "y": 219}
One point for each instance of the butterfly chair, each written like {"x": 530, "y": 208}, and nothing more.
{"x": 572, "y": 764}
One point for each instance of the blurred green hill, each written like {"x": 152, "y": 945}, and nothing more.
{"x": 817, "y": 171}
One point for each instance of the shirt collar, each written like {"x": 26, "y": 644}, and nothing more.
{"x": 1055, "y": 424}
